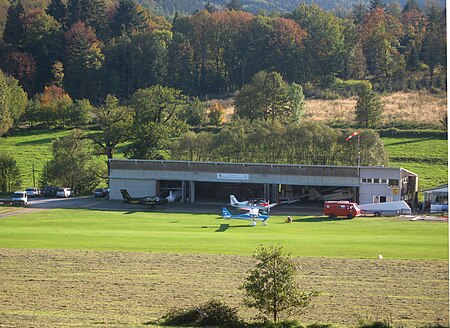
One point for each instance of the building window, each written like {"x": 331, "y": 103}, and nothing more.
{"x": 376, "y": 180}
{"x": 393, "y": 182}
{"x": 383, "y": 180}
{"x": 369, "y": 180}
{"x": 363, "y": 180}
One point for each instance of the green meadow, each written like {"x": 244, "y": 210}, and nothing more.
{"x": 428, "y": 157}
{"x": 208, "y": 234}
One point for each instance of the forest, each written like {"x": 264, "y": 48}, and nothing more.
{"x": 124, "y": 74}
{"x": 92, "y": 49}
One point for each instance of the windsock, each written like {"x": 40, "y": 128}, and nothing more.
{"x": 352, "y": 135}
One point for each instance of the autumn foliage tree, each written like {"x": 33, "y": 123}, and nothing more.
{"x": 380, "y": 36}
{"x": 55, "y": 105}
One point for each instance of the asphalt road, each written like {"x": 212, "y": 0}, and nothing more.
{"x": 89, "y": 202}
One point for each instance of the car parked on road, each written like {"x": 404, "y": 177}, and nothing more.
{"x": 33, "y": 192}
{"x": 20, "y": 197}
{"x": 64, "y": 193}
{"x": 101, "y": 192}
{"x": 49, "y": 191}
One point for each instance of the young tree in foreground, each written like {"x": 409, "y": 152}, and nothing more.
{"x": 271, "y": 286}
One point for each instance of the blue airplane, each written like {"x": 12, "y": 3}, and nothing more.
{"x": 252, "y": 215}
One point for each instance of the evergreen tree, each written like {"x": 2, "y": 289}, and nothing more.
{"x": 411, "y": 5}
{"x": 377, "y": 4}
{"x": 128, "y": 18}
{"x": 368, "y": 107}
{"x": 57, "y": 9}
{"x": 434, "y": 43}
{"x": 234, "y": 5}
{"x": 91, "y": 12}
{"x": 14, "y": 29}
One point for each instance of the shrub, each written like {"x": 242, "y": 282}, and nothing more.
{"x": 280, "y": 324}
{"x": 320, "y": 325}
{"x": 180, "y": 317}
{"x": 213, "y": 313}
{"x": 216, "y": 313}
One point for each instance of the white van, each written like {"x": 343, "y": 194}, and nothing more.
{"x": 20, "y": 197}
{"x": 64, "y": 192}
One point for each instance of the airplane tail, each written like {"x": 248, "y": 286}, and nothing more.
{"x": 125, "y": 194}
{"x": 233, "y": 200}
{"x": 226, "y": 214}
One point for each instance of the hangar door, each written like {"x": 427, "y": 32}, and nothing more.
{"x": 221, "y": 191}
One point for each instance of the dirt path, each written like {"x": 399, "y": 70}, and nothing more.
{"x": 53, "y": 288}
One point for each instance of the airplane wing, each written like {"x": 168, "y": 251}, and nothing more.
{"x": 252, "y": 215}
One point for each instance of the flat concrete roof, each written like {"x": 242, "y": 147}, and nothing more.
{"x": 255, "y": 168}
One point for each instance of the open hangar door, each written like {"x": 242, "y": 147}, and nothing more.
{"x": 219, "y": 192}
{"x": 316, "y": 194}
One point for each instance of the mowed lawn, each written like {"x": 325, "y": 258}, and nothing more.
{"x": 206, "y": 234}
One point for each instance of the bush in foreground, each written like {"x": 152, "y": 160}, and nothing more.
{"x": 213, "y": 313}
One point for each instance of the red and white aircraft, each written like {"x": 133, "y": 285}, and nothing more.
{"x": 247, "y": 205}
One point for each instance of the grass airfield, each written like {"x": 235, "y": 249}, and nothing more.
{"x": 362, "y": 237}
{"x": 90, "y": 268}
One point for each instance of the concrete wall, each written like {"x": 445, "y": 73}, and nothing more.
{"x": 368, "y": 190}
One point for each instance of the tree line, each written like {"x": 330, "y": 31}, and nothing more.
{"x": 92, "y": 49}
{"x": 157, "y": 123}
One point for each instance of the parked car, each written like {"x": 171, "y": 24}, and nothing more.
{"x": 33, "y": 192}
{"x": 20, "y": 197}
{"x": 101, "y": 192}
{"x": 64, "y": 192}
{"x": 49, "y": 191}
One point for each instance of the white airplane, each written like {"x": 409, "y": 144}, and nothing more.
{"x": 253, "y": 215}
{"x": 249, "y": 205}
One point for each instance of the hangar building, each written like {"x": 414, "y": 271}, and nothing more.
{"x": 213, "y": 182}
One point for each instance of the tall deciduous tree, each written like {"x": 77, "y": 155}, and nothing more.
{"x": 114, "y": 122}
{"x": 266, "y": 98}
{"x": 13, "y": 101}
{"x": 156, "y": 120}
{"x": 271, "y": 287}
{"x": 72, "y": 165}
{"x": 10, "y": 179}
{"x": 324, "y": 43}
{"x": 380, "y": 33}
